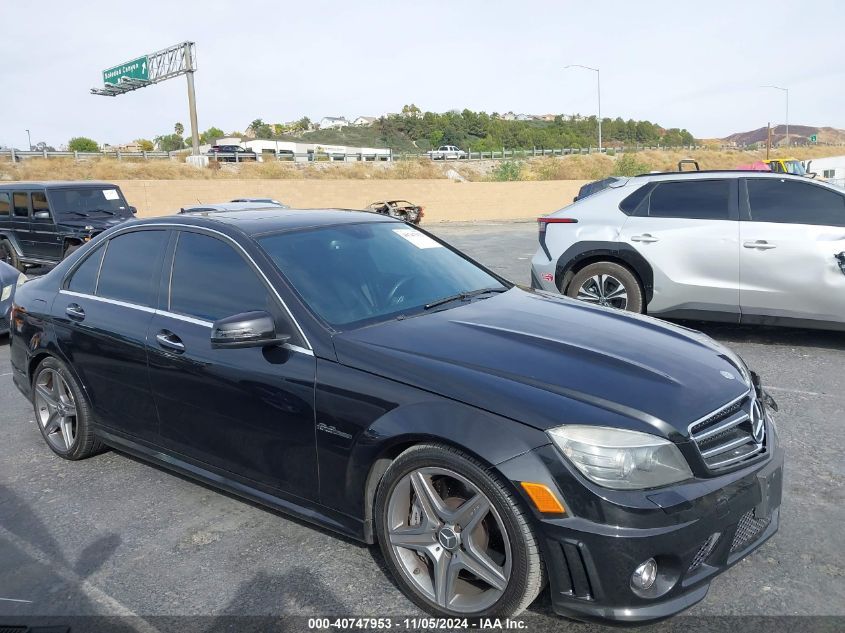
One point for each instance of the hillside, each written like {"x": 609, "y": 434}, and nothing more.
{"x": 799, "y": 135}
{"x": 417, "y": 131}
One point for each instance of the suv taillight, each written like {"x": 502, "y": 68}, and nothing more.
{"x": 543, "y": 223}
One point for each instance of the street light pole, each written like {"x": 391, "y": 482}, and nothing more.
{"x": 786, "y": 91}
{"x": 598, "y": 88}
{"x": 29, "y": 140}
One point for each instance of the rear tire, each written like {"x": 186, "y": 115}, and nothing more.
{"x": 10, "y": 256}
{"x": 607, "y": 284}
{"x": 62, "y": 412}
{"x": 456, "y": 540}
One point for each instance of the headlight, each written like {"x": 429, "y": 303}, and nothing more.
{"x": 624, "y": 460}
{"x": 6, "y": 292}
{"x": 22, "y": 279}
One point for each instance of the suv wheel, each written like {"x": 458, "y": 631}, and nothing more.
{"x": 607, "y": 284}
{"x": 62, "y": 412}
{"x": 455, "y": 539}
{"x": 9, "y": 256}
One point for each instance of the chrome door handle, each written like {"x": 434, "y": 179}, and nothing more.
{"x": 763, "y": 245}
{"x": 645, "y": 237}
{"x": 169, "y": 340}
{"x": 75, "y": 312}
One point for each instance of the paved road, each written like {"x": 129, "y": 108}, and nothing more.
{"x": 112, "y": 535}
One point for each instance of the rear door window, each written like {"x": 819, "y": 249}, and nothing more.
{"x": 20, "y": 204}
{"x": 794, "y": 202}
{"x": 130, "y": 270}
{"x": 40, "y": 208}
{"x": 5, "y": 204}
{"x": 695, "y": 199}
{"x": 84, "y": 278}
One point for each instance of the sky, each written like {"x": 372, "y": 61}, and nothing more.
{"x": 697, "y": 65}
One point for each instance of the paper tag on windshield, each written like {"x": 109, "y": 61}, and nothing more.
{"x": 420, "y": 240}
{"x": 110, "y": 194}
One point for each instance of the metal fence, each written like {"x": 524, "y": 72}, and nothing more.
{"x": 302, "y": 157}
{"x": 323, "y": 156}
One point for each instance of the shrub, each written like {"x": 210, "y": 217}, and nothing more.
{"x": 628, "y": 165}
{"x": 507, "y": 170}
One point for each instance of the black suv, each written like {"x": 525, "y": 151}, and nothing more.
{"x": 43, "y": 222}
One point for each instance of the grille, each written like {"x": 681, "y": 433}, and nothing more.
{"x": 747, "y": 530}
{"x": 704, "y": 552}
{"x": 734, "y": 434}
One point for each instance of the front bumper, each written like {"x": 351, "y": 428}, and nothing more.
{"x": 694, "y": 531}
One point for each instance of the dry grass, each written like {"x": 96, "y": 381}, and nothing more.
{"x": 579, "y": 167}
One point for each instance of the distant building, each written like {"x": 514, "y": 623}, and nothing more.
{"x": 333, "y": 122}
{"x": 524, "y": 117}
{"x": 508, "y": 116}
{"x": 364, "y": 121}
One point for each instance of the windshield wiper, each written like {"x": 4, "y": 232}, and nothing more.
{"x": 463, "y": 296}
{"x": 102, "y": 211}
{"x": 79, "y": 213}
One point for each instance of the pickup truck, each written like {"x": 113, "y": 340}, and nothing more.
{"x": 446, "y": 152}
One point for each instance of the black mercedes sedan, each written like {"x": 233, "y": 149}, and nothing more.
{"x": 359, "y": 373}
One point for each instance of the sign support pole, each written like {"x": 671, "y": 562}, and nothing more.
{"x": 192, "y": 101}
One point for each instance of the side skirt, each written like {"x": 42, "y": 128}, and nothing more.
{"x": 311, "y": 513}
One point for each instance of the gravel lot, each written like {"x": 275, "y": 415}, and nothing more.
{"x": 114, "y": 536}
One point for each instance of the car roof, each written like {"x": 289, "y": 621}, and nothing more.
{"x": 217, "y": 207}
{"x": 55, "y": 184}
{"x": 272, "y": 219}
{"x": 709, "y": 173}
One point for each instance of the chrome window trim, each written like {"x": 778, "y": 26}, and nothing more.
{"x": 116, "y": 302}
{"x": 165, "y": 313}
{"x": 249, "y": 258}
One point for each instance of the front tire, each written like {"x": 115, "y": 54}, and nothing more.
{"x": 62, "y": 412}
{"x": 456, "y": 540}
{"x": 10, "y": 256}
{"x": 607, "y": 284}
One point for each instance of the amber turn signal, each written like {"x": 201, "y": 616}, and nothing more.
{"x": 544, "y": 499}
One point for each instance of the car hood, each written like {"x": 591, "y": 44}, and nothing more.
{"x": 98, "y": 223}
{"x": 545, "y": 360}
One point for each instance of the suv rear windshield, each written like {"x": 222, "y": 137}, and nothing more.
{"x": 88, "y": 201}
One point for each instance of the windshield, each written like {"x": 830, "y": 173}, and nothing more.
{"x": 795, "y": 167}
{"x": 89, "y": 201}
{"x": 355, "y": 274}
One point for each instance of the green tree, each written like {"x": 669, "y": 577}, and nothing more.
{"x": 211, "y": 135}
{"x": 170, "y": 142}
{"x": 82, "y": 144}
{"x": 146, "y": 145}
{"x": 628, "y": 165}
{"x": 260, "y": 129}
{"x": 179, "y": 128}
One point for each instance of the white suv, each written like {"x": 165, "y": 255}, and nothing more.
{"x": 732, "y": 246}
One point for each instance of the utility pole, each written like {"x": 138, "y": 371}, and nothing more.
{"x": 786, "y": 91}
{"x": 29, "y": 140}
{"x": 598, "y": 88}
{"x": 192, "y": 101}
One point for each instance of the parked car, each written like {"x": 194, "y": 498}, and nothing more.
{"x": 358, "y": 373}
{"x": 230, "y": 206}
{"x": 401, "y": 209}
{"x": 231, "y": 153}
{"x": 735, "y": 246}
{"x": 446, "y": 152}
{"x": 270, "y": 201}
{"x": 41, "y": 223}
{"x": 10, "y": 279}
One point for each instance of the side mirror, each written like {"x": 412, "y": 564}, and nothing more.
{"x": 41, "y": 215}
{"x": 249, "y": 329}
{"x": 133, "y": 210}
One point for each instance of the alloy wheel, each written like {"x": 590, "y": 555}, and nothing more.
{"x": 449, "y": 540}
{"x": 56, "y": 409}
{"x": 605, "y": 290}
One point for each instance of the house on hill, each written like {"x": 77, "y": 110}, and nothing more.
{"x": 333, "y": 122}
{"x": 364, "y": 121}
